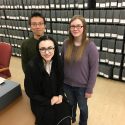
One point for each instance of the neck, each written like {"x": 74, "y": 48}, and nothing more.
{"x": 37, "y": 36}
{"x": 77, "y": 41}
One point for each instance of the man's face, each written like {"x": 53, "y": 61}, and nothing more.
{"x": 37, "y": 26}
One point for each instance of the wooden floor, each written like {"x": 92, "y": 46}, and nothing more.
{"x": 106, "y": 107}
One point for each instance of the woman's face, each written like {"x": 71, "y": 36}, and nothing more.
{"x": 46, "y": 49}
{"x": 76, "y": 28}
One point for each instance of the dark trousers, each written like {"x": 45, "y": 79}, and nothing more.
{"x": 77, "y": 95}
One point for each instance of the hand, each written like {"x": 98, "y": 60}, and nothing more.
{"x": 54, "y": 100}
{"x": 60, "y": 98}
{"x": 88, "y": 95}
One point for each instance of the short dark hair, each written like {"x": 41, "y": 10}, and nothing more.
{"x": 36, "y": 14}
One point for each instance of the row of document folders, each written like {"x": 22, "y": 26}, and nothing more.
{"x": 108, "y": 31}
{"x": 98, "y": 16}
{"x": 109, "y": 45}
{"x": 110, "y": 3}
{"x": 112, "y": 59}
{"x": 112, "y": 72}
{"x": 32, "y": 4}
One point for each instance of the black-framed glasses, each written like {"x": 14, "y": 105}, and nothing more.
{"x": 75, "y": 26}
{"x": 49, "y": 49}
{"x": 34, "y": 24}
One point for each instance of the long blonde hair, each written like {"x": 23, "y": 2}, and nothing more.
{"x": 79, "y": 52}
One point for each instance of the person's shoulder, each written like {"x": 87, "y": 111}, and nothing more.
{"x": 26, "y": 42}
{"x": 65, "y": 42}
{"x": 91, "y": 44}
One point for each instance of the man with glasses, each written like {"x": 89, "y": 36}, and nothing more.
{"x": 28, "y": 49}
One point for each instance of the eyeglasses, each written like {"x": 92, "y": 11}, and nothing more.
{"x": 49, "y": 49}
{"x": 35, "y": 24}
{"x": 77, "y": 27}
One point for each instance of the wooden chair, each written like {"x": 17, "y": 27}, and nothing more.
{"x": 5, "y": 56}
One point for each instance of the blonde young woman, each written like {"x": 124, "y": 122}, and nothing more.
{"x": 80, "y": 67}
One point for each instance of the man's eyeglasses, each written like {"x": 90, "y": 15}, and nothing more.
{"x": 77, "y": 27}
{"x": 49, "y": 49}
{"x": 39, "y": 24}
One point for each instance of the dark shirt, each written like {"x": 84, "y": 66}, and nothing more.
{"x": 28, "y": 51}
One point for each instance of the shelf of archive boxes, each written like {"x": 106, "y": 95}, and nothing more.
{"x": 111, "y": 64}
{"x": 110, "y": 4}
{"x": 46, "y": 4}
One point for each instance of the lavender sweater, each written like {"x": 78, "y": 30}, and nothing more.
{"x": 84, "y": 72}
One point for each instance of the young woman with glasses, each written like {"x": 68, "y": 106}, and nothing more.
{"x": 44, "y": 85}
{"x": 80, "y": 58}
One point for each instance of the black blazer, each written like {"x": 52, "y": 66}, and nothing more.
{"x": 41, "y": 87}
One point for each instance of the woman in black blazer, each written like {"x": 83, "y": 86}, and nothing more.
{"x": 44, "y": 85}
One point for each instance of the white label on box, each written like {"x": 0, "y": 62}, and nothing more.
{"x": 91, "y": 20}
{"x": 118, "y": 50}
{"x": 63, "y": 19}
{"x": 63, "y": 6}
{"x": 101, "y": 34}
{"x": 107, "y": 4}
{"x": 102, "y": 5}
{"x": 123, "y": 78}
{"x": 26, "y": 7}
{"x": 48, "y": 30}
{"x": 98, "y": 48}
{"x": 80, "y": 5}
{"x": 39, "y": 7}
{"x": 106, "y": 60}
{"x": 109, "y": 20}
{"x": 123, "y": 4}
{"x": 57, "y": 6}
{"x": 117, "y": 63}
{"x": 96, "y": 19}
{"x": 36, "y": 6}
{"x": 102, "y": 60}
{"x": 33, "y": 6}
{"x": 47, "y": 6}
{"x": 54, "y": 31}
{"x": 113, "y": 4}
{"x": 59, "y": 19}
{"x": 71, "y": 5}
{"x": 110, "y": 50}
{"x": 115, "y": 20}
{"x": 53, "y": 19}
{"x": 114, "y": 35}
{"x": 120, "y": 36}
{"x": 116, "y": 76}
{"x": 87, "y": 19}
{"x": 97, "y": 34}
{"x": 102, "y": 19}
{"x": 106, "y": 76}
{"x": 101, "y": 73}
{"x": 52, "y": 5}
{"x": 123, "y": 64}
{"x": 119, "y": 4}
{"x": 104, "y": 48}
{"x": 97, "y": 4}
{"x": 61, "y": 32}
{"x": 42, "y": 6}
{"x": 122, "y": 21}
{"x": 107, "y": 34}
{"x": 85, "y": 5}
{"x": 65, "y": 32}
{"x": 48, "y": 19}
{"x": 111, "y": 62}
{"x": 92, "y": 34}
